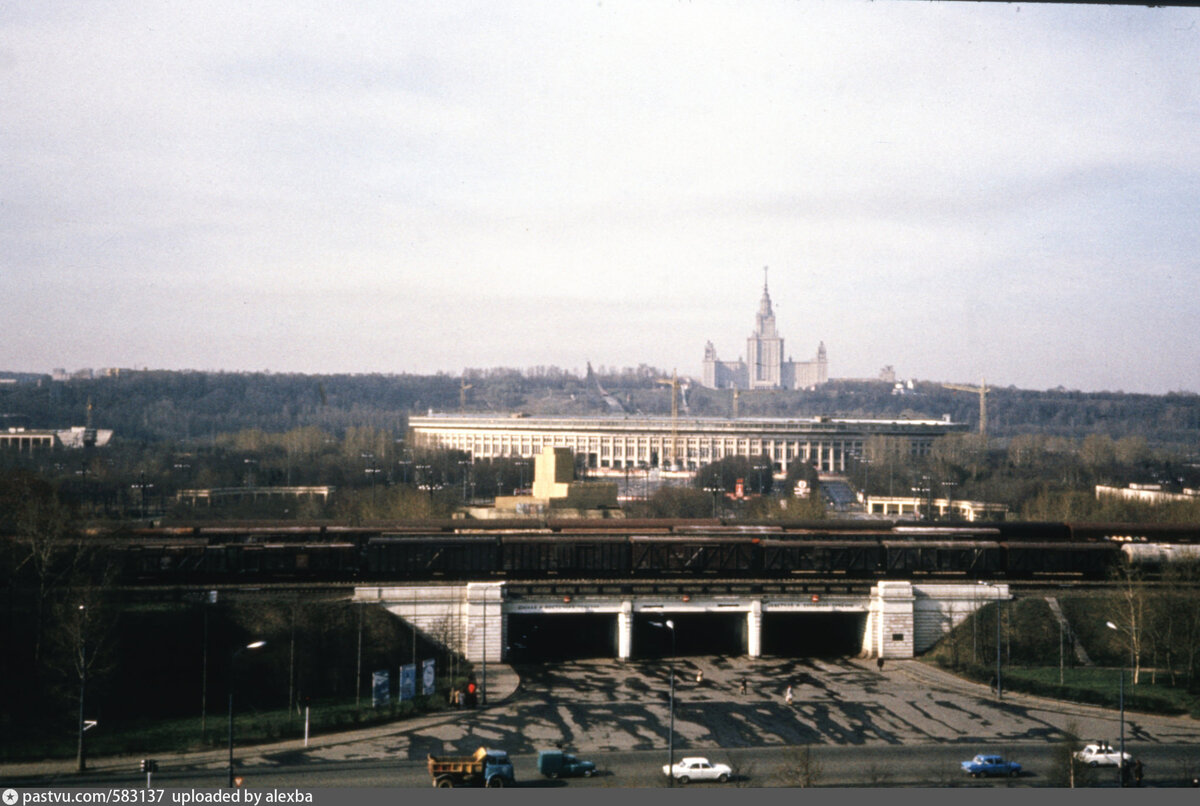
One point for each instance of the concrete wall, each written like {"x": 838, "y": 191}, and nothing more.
{"x": 939, "y": 608}
{"x": 903, "y": 618}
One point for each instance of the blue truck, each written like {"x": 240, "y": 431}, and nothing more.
{"x": 557, "y": 764}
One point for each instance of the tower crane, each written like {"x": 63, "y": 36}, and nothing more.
{"x": 980, "y": 390}
{"x": 674, "y": 384}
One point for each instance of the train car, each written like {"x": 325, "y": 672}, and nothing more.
{"x": 838, "y": 526}
{"x": 723, "y": 529}
{"x": 177, "y": 561}
{"x": 679, "y": 555}
{"x": 860, "y": 557}
{"x": 1130, "y": 532}
{"x": 946, "y": 531}
{"x": 1157, "y": 556}
{"x": 595, "y": 555}
{"x": 419, "y": 557}
{"x": 1035, "y": 531}
{"x": 1028, "y": 559}
{"x": 973, "y": 558}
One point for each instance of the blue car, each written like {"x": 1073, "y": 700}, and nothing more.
{"x": 984, "y": 764}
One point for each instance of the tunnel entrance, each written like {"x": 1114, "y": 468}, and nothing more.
{"x": 695, "y": 634}
{"x": 557, "y": 636}
{"x": 813, "y": 635}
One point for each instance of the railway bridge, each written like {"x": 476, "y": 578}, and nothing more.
{"x": 503, "y": 620}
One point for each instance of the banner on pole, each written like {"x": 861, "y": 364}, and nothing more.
{"x": 408, "y": 681}
{"x": 381, "y": 688}
{"x": 428, "y": 677}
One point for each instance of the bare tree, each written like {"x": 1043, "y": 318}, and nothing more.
{"x": 1128, "y": 609}
{"x": 801, "y": 768}
{"x": 49, "y": 554}
{"x": 1066, "y": 769}
{"x": 445, "y": 631}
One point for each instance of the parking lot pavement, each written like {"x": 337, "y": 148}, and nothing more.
{"x": 605, "y": 705}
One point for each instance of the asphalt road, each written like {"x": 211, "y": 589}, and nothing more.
{"x": 903, "y": 725}
{"x": 868, "y": 765}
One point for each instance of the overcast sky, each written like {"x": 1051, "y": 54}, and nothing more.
{"x": 960, "y": 190}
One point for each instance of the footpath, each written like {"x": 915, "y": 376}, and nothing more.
{"x": 502, "y": 680}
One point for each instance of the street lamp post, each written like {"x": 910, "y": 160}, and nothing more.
{"x": 670, "y": 625}
{"x": 232, "y": 657}
{"x": 465, "y": 464}
{"x": 714, "y": 491}
{"x": 483, "y": 679}
{"x": 371, "y": 470}
{"x": 925, "y": 491}
{"x": 999, "y": 687}
{"x": 81, "y": 755}
{"x": 1121, "y": 705}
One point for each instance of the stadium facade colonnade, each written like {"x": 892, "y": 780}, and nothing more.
{"x": 684, "y": 443}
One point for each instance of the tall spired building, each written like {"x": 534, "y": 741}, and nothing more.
{"x": 764, "y": 366}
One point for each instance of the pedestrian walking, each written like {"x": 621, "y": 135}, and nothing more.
{"x": 788, "y": 696}
{"x": 700, "y": 676}
{"x": 879, "y": 664}
{"x": 742, "y": 687}
{"x": 1138, "y": 770}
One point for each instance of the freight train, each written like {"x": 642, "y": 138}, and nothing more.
{"x": 650, "y": 549}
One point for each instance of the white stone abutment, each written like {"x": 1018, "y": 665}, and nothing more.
{"x": 899, "y": 619}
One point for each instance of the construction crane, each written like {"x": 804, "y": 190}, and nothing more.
{"x": 674, "y": 384}
{"x": 462, "y": 393}
{"x": 980, "y": 390}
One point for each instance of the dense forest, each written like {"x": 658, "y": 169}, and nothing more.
{"x": 182, "y": 407}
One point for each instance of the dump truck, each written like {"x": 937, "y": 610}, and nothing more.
{"x": 484, "y": 767}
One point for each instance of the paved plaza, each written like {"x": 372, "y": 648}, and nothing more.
{"x": 604, "y": 705}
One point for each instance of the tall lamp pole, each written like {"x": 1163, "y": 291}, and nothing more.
{"x": 1121, "y": 701}
{"x": 999, "y": 688}
{"x": 232, "y": 657}
{"x": 996, "y": 600}
{"x": 670, "y": 625}
{"x": 81, "y": 754}
{"x": 483, "y": 681}
{"x": 714, "y": 491}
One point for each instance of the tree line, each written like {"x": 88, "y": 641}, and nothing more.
{"x": 174, "y": 406}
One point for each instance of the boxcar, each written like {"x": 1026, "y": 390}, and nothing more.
{"x": 420, "y": 557}
{"x": 858, "y": 557}
{"x": 1088, "y": 560}
{"x": 603, "y": 555}
{"x": 942, "y": 557}
{"x": 685, "y": 555}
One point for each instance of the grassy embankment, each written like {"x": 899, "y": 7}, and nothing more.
{"x": 1037, "y": 659}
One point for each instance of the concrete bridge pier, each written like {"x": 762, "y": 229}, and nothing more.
{"x": 754, "y": 629}
{"x": 625, "y": 630}
{"x": 898, "y": 618}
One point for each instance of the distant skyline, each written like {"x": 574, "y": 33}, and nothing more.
{"x": 959, "y": 190}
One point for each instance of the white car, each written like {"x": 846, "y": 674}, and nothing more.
{"x": 1101, "y": 755}
{"x": 697, "y": 768}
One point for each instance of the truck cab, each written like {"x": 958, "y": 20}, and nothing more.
{"x": 557, "y": 764}
{"x": 490, "y": 768}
